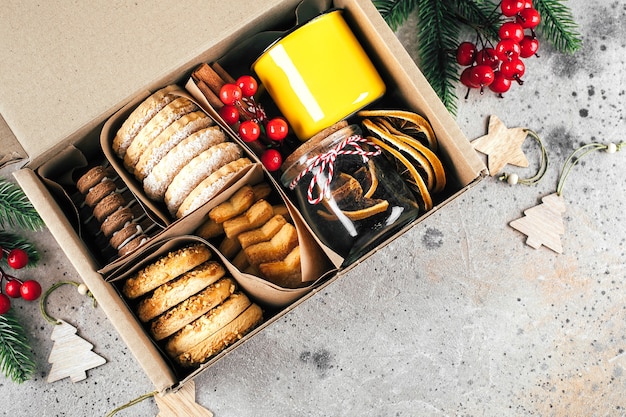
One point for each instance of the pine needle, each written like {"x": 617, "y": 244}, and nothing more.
{"x": 10, "y": 241}
{"x": 395, "y": 12}
{"x": 16, "y": 358}
{"x": 15, "y": 208}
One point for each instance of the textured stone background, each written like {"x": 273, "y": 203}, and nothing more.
{"x": 458, "y": 317}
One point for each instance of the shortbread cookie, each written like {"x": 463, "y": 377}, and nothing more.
{"x": 156, "y": 182}
{"x": 140, "y": 117}
{"x": 176, "y": 291}
{"x": 170, "y": 137}
{"x": 254, "y": 217}
{"x": 165, "y": 269}
{"x": 207, "y": 324}
{"x": 184, "y": 313}
{"x": 221, "y": 339}
{"x": 239, "y": 202}
{"x": 286, "y": 273}
{"x": 197, "y": 170}
{"x": 211, "y": 186}
{"x": 276, "y": 249}
{"x": 165, "y": 117}
{"x": 263, "y": 233}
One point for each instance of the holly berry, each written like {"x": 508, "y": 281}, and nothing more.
{"x": 272, "y": 159}
{"x": 511, "y": 7}
{"x": 466, "y": 78}
{"x": 30, "y": 290}
{"x": 513, "y": 70}
{"x": 511, "y": 30}
{"x": 229, "y": 113}
{"x": 17, "y": 258}
{"x": 487, "y": 56}
{"x": 528, "y": 18}
{"x": 248, "y": 85}
{"x": 507, "y": 49}
{"x": 500, "y": 83}
{"x": 528, "y": 46}
{"x": 466, "y": 53}
{"x": 12, "y": 288}
{"x": 481, "y": 75}
{"x": 277, "y": 129}
{"x": 230, "y": 94}
{"x": 249, "y": 130}
{"x": 5, "y": 304}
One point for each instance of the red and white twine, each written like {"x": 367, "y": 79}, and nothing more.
{"x": 327, "y": 160}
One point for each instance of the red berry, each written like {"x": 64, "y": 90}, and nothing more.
{"x": 272, "y": 160}
{"x": 528, "y": 4}
{"x": 229, "y": 113}
{"x": 507, "y": 50}
{"x": 277, "y": 129}
{"x": 528, "y": 46}
{"x": 466, "y": 78}
{"x": 31, "y": 290}
{"x": 487, "y": 56}
{"x": 18, "y": 258}
{"x": 511, "y": 30}
{"x": 528, "y": 18}
{"x": 465, "y": 53}
{"x": 5, "y": 304}
{"x": 481, "y": 75}
{"x": 511, "y": 7}
{"x": 513, "y": 70}
{"x": 12, "y": 288}
{"x": 500, "y": 83}
{"x": 248, "y": 85}
{"x": 249, "y": 131}
{"x": 230, "y": 93}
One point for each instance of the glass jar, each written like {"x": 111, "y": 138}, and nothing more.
{"x": 348, "y": 192}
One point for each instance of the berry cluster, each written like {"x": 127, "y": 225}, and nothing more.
{"x": 496, "y": 67}
{"x": 29, "y": 290}
{"x": 242, "y": 112}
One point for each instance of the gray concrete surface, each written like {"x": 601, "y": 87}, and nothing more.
{"x": 458, "y": 317}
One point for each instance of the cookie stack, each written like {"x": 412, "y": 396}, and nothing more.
{"x": 189, "y": 305}
{"x": 176, "y": 152}
{"x": 119, "y": 218}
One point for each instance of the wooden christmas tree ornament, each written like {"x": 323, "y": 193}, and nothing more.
{"x": 543, "y": 224}
{"x": 71, "y": 355}
{"x": 181, "y": 403}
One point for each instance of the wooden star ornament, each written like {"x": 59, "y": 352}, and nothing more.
{"x": 502, "y": 146}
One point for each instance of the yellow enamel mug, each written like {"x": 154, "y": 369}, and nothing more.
{"x": 318, "y": 74}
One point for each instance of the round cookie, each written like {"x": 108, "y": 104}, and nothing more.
{"x": 108, "y": 205}
{"x": 92, "y": 177}
{"x": 197, "y": 170}
{"x": 162, "y": 174}
{"x": 125, "y": 234}
{"x": 210, "y": 186}
{"x": 176, "y": 291}
{"x": 116, "y": 221}
{"x": 165, "y": 269}
{"x": 224, "y": 337}
{"x": 140, "y": 117}
{"x": 193, "y": 307}
{"x": 207, "y": 324}
{"x": 170, "y": 137}
{"x": 165, "y": 117}
{"x": 99, "y": 191}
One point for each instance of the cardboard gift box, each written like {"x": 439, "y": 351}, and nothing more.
{"x": 53, "y": 163}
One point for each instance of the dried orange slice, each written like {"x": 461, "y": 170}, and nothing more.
{"x": 379, "y": 207}
{"x": 405, "y": 122}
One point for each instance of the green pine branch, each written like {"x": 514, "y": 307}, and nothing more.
{"x": 395, "y": 12}
{"x": 16, "y": 357}
{"x": 15, "y": 208}
{"x": 9, "y": 240}
{"x": 437, "y": 37}
{"x": 558, "y": 25}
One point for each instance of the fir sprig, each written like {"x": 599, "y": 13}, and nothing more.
{"x": 16, "y": 357}
{"x": 9, "y": 240}
{"x": 15, "y": 208}
{"x": 439, "y": 25}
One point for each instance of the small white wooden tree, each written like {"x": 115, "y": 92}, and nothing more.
{"x": 543, "y": 224}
